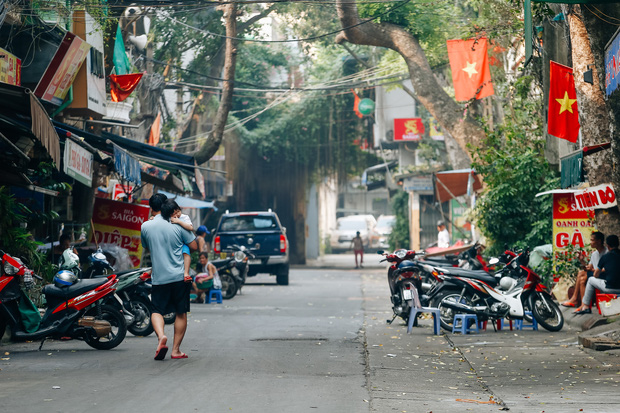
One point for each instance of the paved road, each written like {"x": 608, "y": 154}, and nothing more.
{"x": 320, "y": 344}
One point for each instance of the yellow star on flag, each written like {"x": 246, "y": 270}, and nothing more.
{"x": 567, "y": 104}
{"x": 470, "y": 69}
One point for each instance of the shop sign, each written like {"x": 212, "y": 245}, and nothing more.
{"x": 63, "y": 68}
{"x": 10, "y": 68}
{"x": 78, "y": 163}
{"x": 120, "y": 191}
{"x": 597, "y": 197}
{"x": 408, "y": 129}
{"x": 571, "y": 226}
{"x": 612, "y": 65}
{"x": 119, "y": 223}
{"x": 418, "y": 184}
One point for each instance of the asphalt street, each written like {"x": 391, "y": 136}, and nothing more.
{"x": 319, "y": 344}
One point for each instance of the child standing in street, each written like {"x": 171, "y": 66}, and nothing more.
{"x": 185, "y": 222}
{"x": 358, "y": 248}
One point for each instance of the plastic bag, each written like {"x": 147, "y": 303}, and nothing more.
{"x": 122, "y": 262}
{"x": 217, "y": 283}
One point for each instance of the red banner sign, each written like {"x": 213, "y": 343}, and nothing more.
{"x": 570, "y": 225}
{"x": 120, "y": 223}
{"x": 408, "y": 129}
{"x": 597, "y": 197}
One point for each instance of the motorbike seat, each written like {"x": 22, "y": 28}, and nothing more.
{"x": 74, "y": 290}
{"x": 475, "y": 274}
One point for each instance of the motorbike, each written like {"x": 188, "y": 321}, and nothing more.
{"x": 75, "y": 308}
{"x": 518, "y": 289}
{"x": 233, "y": 271}
{"x": 132, "y": 293}
{"x": 404, "y": 276}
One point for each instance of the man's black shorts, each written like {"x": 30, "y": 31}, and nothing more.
{"x": 171, "y": 298}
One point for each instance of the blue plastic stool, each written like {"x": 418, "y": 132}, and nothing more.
{"x": 520, "y": 324}
{"x": 464, "y": 319}
{"x": 214, "y": 295}
{"x": 434, "y": 311}
{"x": 416, "y": 307}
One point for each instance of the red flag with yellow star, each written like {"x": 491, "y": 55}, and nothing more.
{"x": 471, "y": 75}
{"x": 563, "y": 116}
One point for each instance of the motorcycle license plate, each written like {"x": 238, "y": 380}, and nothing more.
{"x": 407, "y": 295}
{"x": 255, "y": 262}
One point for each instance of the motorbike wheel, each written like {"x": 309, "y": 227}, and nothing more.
{"x": 446, "y": 315}
{"x": 229, "y": 286}
{"x": 546, "y": 312}
{"x": 142, "y": 310}
{"x": 119, "y": 329}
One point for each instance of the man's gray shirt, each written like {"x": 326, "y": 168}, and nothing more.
{"x": 165, "y": 240}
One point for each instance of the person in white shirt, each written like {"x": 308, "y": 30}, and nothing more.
{"x": 443, "y": 236}
{"x": 597, "y": 241}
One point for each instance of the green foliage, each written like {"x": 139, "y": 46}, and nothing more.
{"x": 399, "y": 237}
{"x": 15, "y": 239}
{"x": 565, "y": 264}
{"x": 514, "y": 169}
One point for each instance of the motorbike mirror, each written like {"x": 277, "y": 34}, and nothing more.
{"x": 380, "y": 252}
{"x": 493, "y": 261}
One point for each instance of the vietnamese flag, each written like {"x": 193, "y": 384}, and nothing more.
{"x": 563, "y": 116}
{"x": 121, "y": 86}
{"x": 471, "y": 75}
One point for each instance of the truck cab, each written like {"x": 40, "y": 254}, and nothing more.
{"x": 260, "y": 232}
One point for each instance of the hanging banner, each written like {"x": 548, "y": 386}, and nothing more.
{"x": 597, "y": 197}
{"x": 78, "y": 163}
{"x": 10, "y": 68}
{"x": 570, "y": 225}
{"x": 612, "y": 65}
{"x": 408, "y": 129}
{"x": 63, "y": 68}
{"x": 119, "y": 223}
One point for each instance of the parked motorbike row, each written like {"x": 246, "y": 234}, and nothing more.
{"x": 513, "y": 291}
{"x": 97, "y": 305}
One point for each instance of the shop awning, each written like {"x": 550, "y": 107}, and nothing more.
{"x": 23, "y": 121}
{"x": 185, "y": 202}
{"x": 452, "y": 184}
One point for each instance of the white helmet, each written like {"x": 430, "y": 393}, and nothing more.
{"x": 69, "y": 260}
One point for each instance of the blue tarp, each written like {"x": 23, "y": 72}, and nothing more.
{"x": 185, "y": 202}
{"x": 127, "y": 166}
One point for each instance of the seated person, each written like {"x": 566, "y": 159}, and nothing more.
{"x": 203, "y": 282}
{"x": 597, "y": 241}
{"x": 606, "y": 278}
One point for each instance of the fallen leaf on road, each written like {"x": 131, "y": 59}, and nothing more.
{"x": 476, "y": 401}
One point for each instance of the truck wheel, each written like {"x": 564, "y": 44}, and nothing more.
{"x": 282, "y": 276}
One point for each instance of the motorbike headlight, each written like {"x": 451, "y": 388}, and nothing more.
{"x": 10, "y": 269}
{"x": 239, "y": 256}
{"x": 401, "y": 253}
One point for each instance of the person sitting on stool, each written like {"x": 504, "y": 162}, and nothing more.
{"x": 606, "y": 277}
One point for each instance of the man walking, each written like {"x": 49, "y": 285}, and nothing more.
{"x": 170, "y": 291}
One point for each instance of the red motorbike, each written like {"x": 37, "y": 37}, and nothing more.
{"x": 74, "y": 308}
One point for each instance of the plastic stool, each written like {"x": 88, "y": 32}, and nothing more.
{"x": 214, "y": 295}
{"x": 520, "y": 324}
{"x": 434, "y": 311}
{"x": 464, "y": 319}
{"x": 500, "y": 324}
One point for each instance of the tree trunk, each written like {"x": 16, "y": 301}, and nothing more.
{"x": 594, "y": 116}
{"x": 429, "y": 93}
{"x": 230, "y": 62}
